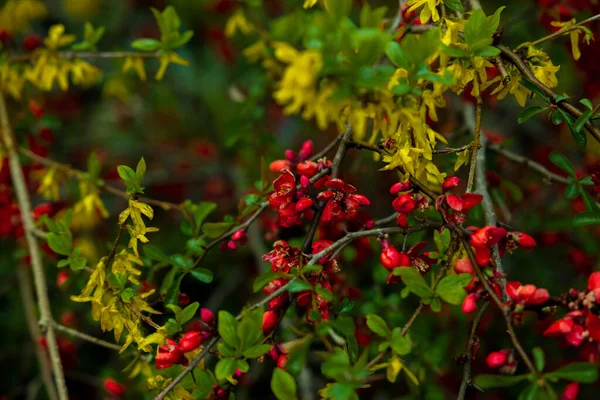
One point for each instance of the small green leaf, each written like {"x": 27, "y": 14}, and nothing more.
{"x": 587, "y": 218}
{"x": 298, "y": 285}
{"x": 345, "y": 306}
{"x": 77, "y": 263}
{"x": 257, "y": 351}
{"x": 556, "y": 117}
{"x": 189, "y": 312}
{"x": 338, "y": 9}
{"x": 378, "y": 325}
{"x": 530, "y": 112}
{"x": 572, "y": 190}
{"x": 397, "y": 55}
{"x": 228, "y": 329}
{"x": 578, "y": 372}
{"x": 225, "y": 368}
{"x": 539, "y": 358}
{"x": 283, "y": 385}
{"x": 451, "y": 288}
{"x": 61, "y": 244}
{"x": 127, "y": 174}
{"x": 400, "y": 344}
{"x": 454, "y": 5}
{"x": 529, "y": 85}
{"x": 155, "y": 253}
{"x": 436, "y": 304}
{"x": 578, "y": 135}
{"x": 216, "y": 229}
{"x": 146, "y": 44}
{"x": 173, "y": 292}
{"x": 63, "y": 263}
{"x": 242, "y": 365}
{"x": 487, "y": 51}
{"x": 414, "y": 281}
{"x": 127, "y": 294}
{"x": 587, "y": 103}
{"x": 452, "y": 51}
{"x": 203, "y": 275}
{"x": 486, "y": 381}
{"x": 580, "y": 122}
{"x": 249, "y": 333}
{"x": 441, "y": 239}
{"x": 140, "y": 170}
{"x": 562, "y": 162}
{"x": 226, "y": 349}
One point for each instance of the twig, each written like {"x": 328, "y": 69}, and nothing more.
{"x": 143, "y": 317}
{"x": 468, "y": 354}
{"x": 451, "y": 150}
{"x": 34, "y": 329}
{"x": 83, "y": 175}
{"x": 86, "y": 337}
{"x": 476, "y": 140}
{"x": 526, "y": 72}
{"x": 550, "y": 176}
{"x": 502, "y": 69}
{"x": 18, "y": 180}
{"x": 327, "y": 148}
{"x": 398, "y": 20}
{"x": 69, "y": 55}
{"x": 563, "y": 32}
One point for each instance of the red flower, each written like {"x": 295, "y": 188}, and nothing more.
{"x": 400, "y": 187}
{"x": 523, "y": 239}
{"x": 283, "y": 257}
{"x": 391, "y": 258}
{"x": 450, "y": 183}
{"x": 571, "y": 328}
{"x": 483, "y": 239}
{"x": 469, "y": 303}
{"x": 270, "y": 320}
{"x": 571, "y": 391}
{"x": 190, "y": 341}
{"x": 341, "y": 200}
{"x": 169, "y": 354}
{"x": 113, "y": 387}
{"x": 526, "y": 294}
{"x": 497, "y": 358}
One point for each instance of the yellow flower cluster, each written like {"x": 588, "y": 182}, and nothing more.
{"x": 88, "y": 211}
{"x": 429, "y": 10}
{"x": 16, "y": 15}
{"x": 138, "y": 230}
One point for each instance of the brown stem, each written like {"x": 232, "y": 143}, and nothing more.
{"x": 476, "y": 139}
{"x": 69, "y": 55}
{"x": 468, "y": 354}
{"x": 18, "y": 180}
{"x": 86, "y": 337}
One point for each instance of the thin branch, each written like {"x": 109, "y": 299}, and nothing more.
{"x": 502, "y": 69}
{"x": 86, "y": 337}
{"x": 327, "y": 148}
{"x": 476, "y": 140}
{"x": 563, "y": 32}
{"x": 100, "y": 183}
{"x": 398, "y": 19}
{"x": 539, "y": 168}
{"x": 526, "y": 72}
{"x": 70, "y": 55}
{"x": 468, "y": 354}
{"x": 451, "y": 150}
{"x": 20, "y": 187}
{"x": 143, "y": 317}
{"x": 34, "y": 329}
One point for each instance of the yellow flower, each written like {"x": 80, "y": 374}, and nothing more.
{"x": 11, "y": 81}
{"x": 256, "y": 52}
{"x": 16, "y": 15}
{"x": 238, "y": 22}
{"x": 50, "y": 183}
{"x": 56, "y": 37}
{"x": 124, "y": 264}
{"x": 429, "y": 10}
{"x": 165, "y": 60}
{"x": 88, "y": 211}
{"x": 574, "y": 35}
{"x": 84, "y": 74}
{"x": 137, "y": 64}
{"x": 309, "y": 3}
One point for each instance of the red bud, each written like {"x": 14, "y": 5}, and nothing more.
{"x": 571, "y": 391}
{"x": 497, "y": 358}
{"x": 469, "y": 305}
{"x": 594, "y": 281}
{"x": 270, "y": 319}
{"x": 190, "y": 341}
{"x": 113, "y": 387}
{"x": 450, "y": 183}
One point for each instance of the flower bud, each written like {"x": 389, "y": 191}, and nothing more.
{"x": 450, "y": 183}
{"x": 496, "y": 358}
{"x": 190, "y": 341}
{"x": 400, "y": 187}
{"x": 303, "y": 204}
{"x": 62, "y": 280}
{"x": 571, "y": 391}
{"x": 391, "y": 257}
{"x": 270, "y": 319}
{"x": 184, "y": 299}
{"x": 290, "y": 155}
{"x": 403, "y": 204}
{"x": 524, "y": 240}
{"x": 31, "y": 42}
{"x": 113, "y": 387}
{"x": 469, "y": 305}
{"x": 370, "y": 224}
{"x": 594, "y": 281}
{"x": 239, "y": 235}
{"x": 306, "y": 150}
{"x": 207, "y": 316}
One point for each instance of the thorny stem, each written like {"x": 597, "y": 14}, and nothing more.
{"x": 468, "y": 354}
{"x": 563, "y": 32}
{"x": 18, "y": 180}
{"x": 476, "y": 140}
{"x": 86, "y": 337}
{"x": 34, "y": 329}
{"x": 539, "y": 168}
{"x": 69, "y": 55}
{"x": 516, "y": 60}
{"x": 83, "y": 175}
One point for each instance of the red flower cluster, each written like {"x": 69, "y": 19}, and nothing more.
{"x": 341, "y": 201}
{"x": 526, "y": 295}
{"x": 283, "y": 257}
{"x": 406, "y": 202}
{"x": 579, "y": 325}
{"x": 239, "y": 238}
{"x": 484, "y": 238}
{"x": 174, "y": 353}
{"x": 271, "y": 315}
{"x": 392, "y": 258}
{"x": 279, "y": 355}
{"x": 475, "y": 288}
{"x": 458, "y": 206}
{"x": 298, "y": 161}
{"x": 289, "y": 202}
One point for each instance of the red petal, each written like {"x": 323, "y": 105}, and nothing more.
{"x": 454, "y": 202}
{"x": 335, "y": 183}
{"x": 470, "y": 200}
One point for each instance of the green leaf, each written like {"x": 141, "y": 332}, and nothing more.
{"x": 226, "y": 349}
{"x": 587, "y": 218}
{"x": 60, "y": 244}
{"x": 451, "y": 288}
{"x": 173, "y": 292}
{"x": 298, "y": 285}
{"x": 77, "y": 263}
{"x": 324, "y": 293}
{"x": 228, "y": 329}
{"x": 378, "y": 325}
{"x": 397, "y": 55}
{"x": 588, "y": 200}
{"x": 400, "y": 344}
{"x": 479, "y": 29}
{"x": 257, "y": 351}
{"x": 530, "y": 392}
{"x": 436, "y": 305}
{"x": 225, "y": 368}
{"x": 181, "y": 40}
{"x": 345, "y": 306}
{"x": 216, "y": 229}
{"x": 539, "y": 358}
{"x": 530, "y": 112}
{"x": 486, "y": 381}
{"x": 146, "y": 44}
{"x": 203, "y": 275}
{"x": 587, "y": 103}
{"x": 249, "y": 333}
{"x": 63, "y": 263}
{"x": 242, "y": 365}
{"x": 127, "y": 294}
{"x": 167, "y": 281}
{"x": 487, "y": 51}
{"x": 453, "y": 51}
{"x": 562, "y": 162}
{"x": 556, "y": 117}
{"x": 441, "y": 239}
{"x": 155, "y": 253}
{"x": 338, "y": 9}
{"x": 414, "y": 281}
{"x": 189, "y": 312}
{"x": 572, "y": 190}
{"x": 579, "y": 136}
{"x": 140, "y": 170}
{"x": 529, "y": 85}
{"x": 202, "y": 210}
{"x": 283, "y": 385}
{"x": 454, "y": 5}
{"x": 578, "y": 372}
{"x": 127, "y": 174}
{"x": 580, "y": 122}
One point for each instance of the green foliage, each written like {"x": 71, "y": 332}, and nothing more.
{"x": 283, "y": 385}
{"x": 60, "y": 240}
{"x": 91, "y": 37}
{"x": 133, "y": 179}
